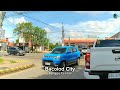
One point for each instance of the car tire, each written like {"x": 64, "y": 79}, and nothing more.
{"x": 78, "y": 62}
{"x": 18, "y": 54}
{"x": 63, "y": 64}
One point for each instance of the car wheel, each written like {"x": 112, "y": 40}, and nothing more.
{"x": 63, "y": 64}
{"x": 78, "y": 62}
{"x": 18, "y": 54}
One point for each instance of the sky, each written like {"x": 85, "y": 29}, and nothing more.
{"x": 77, "y": 24}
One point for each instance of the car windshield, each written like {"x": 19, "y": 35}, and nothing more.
{"x": 19, "y": 49}
{"x": 58, "y": 51}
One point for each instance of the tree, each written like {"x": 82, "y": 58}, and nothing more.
{"x": 24, "y": 29}
{"x": 57, "y": 44}
{"x": 39, "y": 36}
{"x": 36, "y": 35}
{"x": 17, "y": 40}
{"x": 52, "y": 46}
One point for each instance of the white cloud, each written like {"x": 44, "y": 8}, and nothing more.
{"x": 96, "y": 12}
{"x": 47, "y": 30}
{"x": 112, "y": 12}
{"x": 16, "y": 20}
{"x": 10, "y": 36}
{"x": 100, "y": 29}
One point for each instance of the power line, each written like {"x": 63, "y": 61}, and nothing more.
{"x": 37, "y": 20}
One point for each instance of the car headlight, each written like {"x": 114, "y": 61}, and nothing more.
{"x": 57, "y": 57}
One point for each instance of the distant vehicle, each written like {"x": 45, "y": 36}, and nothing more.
{"x": 16, "y": 51}
{"x": 62, "y": 56}
{"x": 103, "y": 60}
{"x": 84, "y": 50}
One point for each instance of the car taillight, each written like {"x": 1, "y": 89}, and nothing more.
{"x": 87, "y": 60}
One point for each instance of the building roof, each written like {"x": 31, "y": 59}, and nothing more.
{"x": 10, "y": 44}
{"x": 2, "y": 40}
{"x": 82, "y": 40}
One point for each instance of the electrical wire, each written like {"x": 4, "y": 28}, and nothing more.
{"x": 37, "y": 20}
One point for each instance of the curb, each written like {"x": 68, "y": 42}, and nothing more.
{"x": 22, "y": 61}
{"x": 19, "y": 68}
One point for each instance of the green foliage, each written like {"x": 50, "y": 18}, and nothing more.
{"x": 52, "y": 46}
{"x": 11, "y": 61}
{"x": 17, "y": 40}
{"x": 37, "y": 35}
{"x": 1, "y": 60}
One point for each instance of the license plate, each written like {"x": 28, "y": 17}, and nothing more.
{"x": 47, "y": 63}
{"x": 114, "y": 75}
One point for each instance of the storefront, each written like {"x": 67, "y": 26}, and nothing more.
{"x": 81, "y": 42}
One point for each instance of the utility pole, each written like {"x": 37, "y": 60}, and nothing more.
{"x": 69, "y": 41}
{"x": 62, "y": 35}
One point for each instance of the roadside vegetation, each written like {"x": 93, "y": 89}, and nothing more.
{"x": 34, "y": 35}
{"x": 3, "y": 61}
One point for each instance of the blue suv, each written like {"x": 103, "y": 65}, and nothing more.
{"x": 62, "y": 56}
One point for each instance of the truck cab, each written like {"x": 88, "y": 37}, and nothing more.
{"x": 103, "y": 60}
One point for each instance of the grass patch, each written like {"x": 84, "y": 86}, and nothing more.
{"x": 11, "y": 61}
{"x": 1, "y": 60}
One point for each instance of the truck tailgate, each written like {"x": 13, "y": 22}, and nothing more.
{"x": 105, "y": 58}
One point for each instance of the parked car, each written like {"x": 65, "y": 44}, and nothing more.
{"x": 84, "y": 50}
{"x": 62, "y": 56}
{"x": 16, "y": 51}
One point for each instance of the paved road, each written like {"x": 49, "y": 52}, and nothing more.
{"x": 37, "y": 72}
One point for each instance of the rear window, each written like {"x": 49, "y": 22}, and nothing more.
{"x": 108, "y": 43}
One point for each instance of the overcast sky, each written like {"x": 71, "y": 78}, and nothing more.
{"x": 77, "y": 24}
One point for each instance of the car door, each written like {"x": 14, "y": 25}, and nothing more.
{"x": 74, "y": 54}
{"x": 69, "y": 55}
{"x": 14, "y": 50}
{"x": 11, "y": 50}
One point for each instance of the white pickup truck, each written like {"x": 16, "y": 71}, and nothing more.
{"x": 103, "y": 60}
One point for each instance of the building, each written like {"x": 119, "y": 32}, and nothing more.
{"x": 80, "y": 42}
{"x": 3, "y": 44}
{"x": 2, "y": 40}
